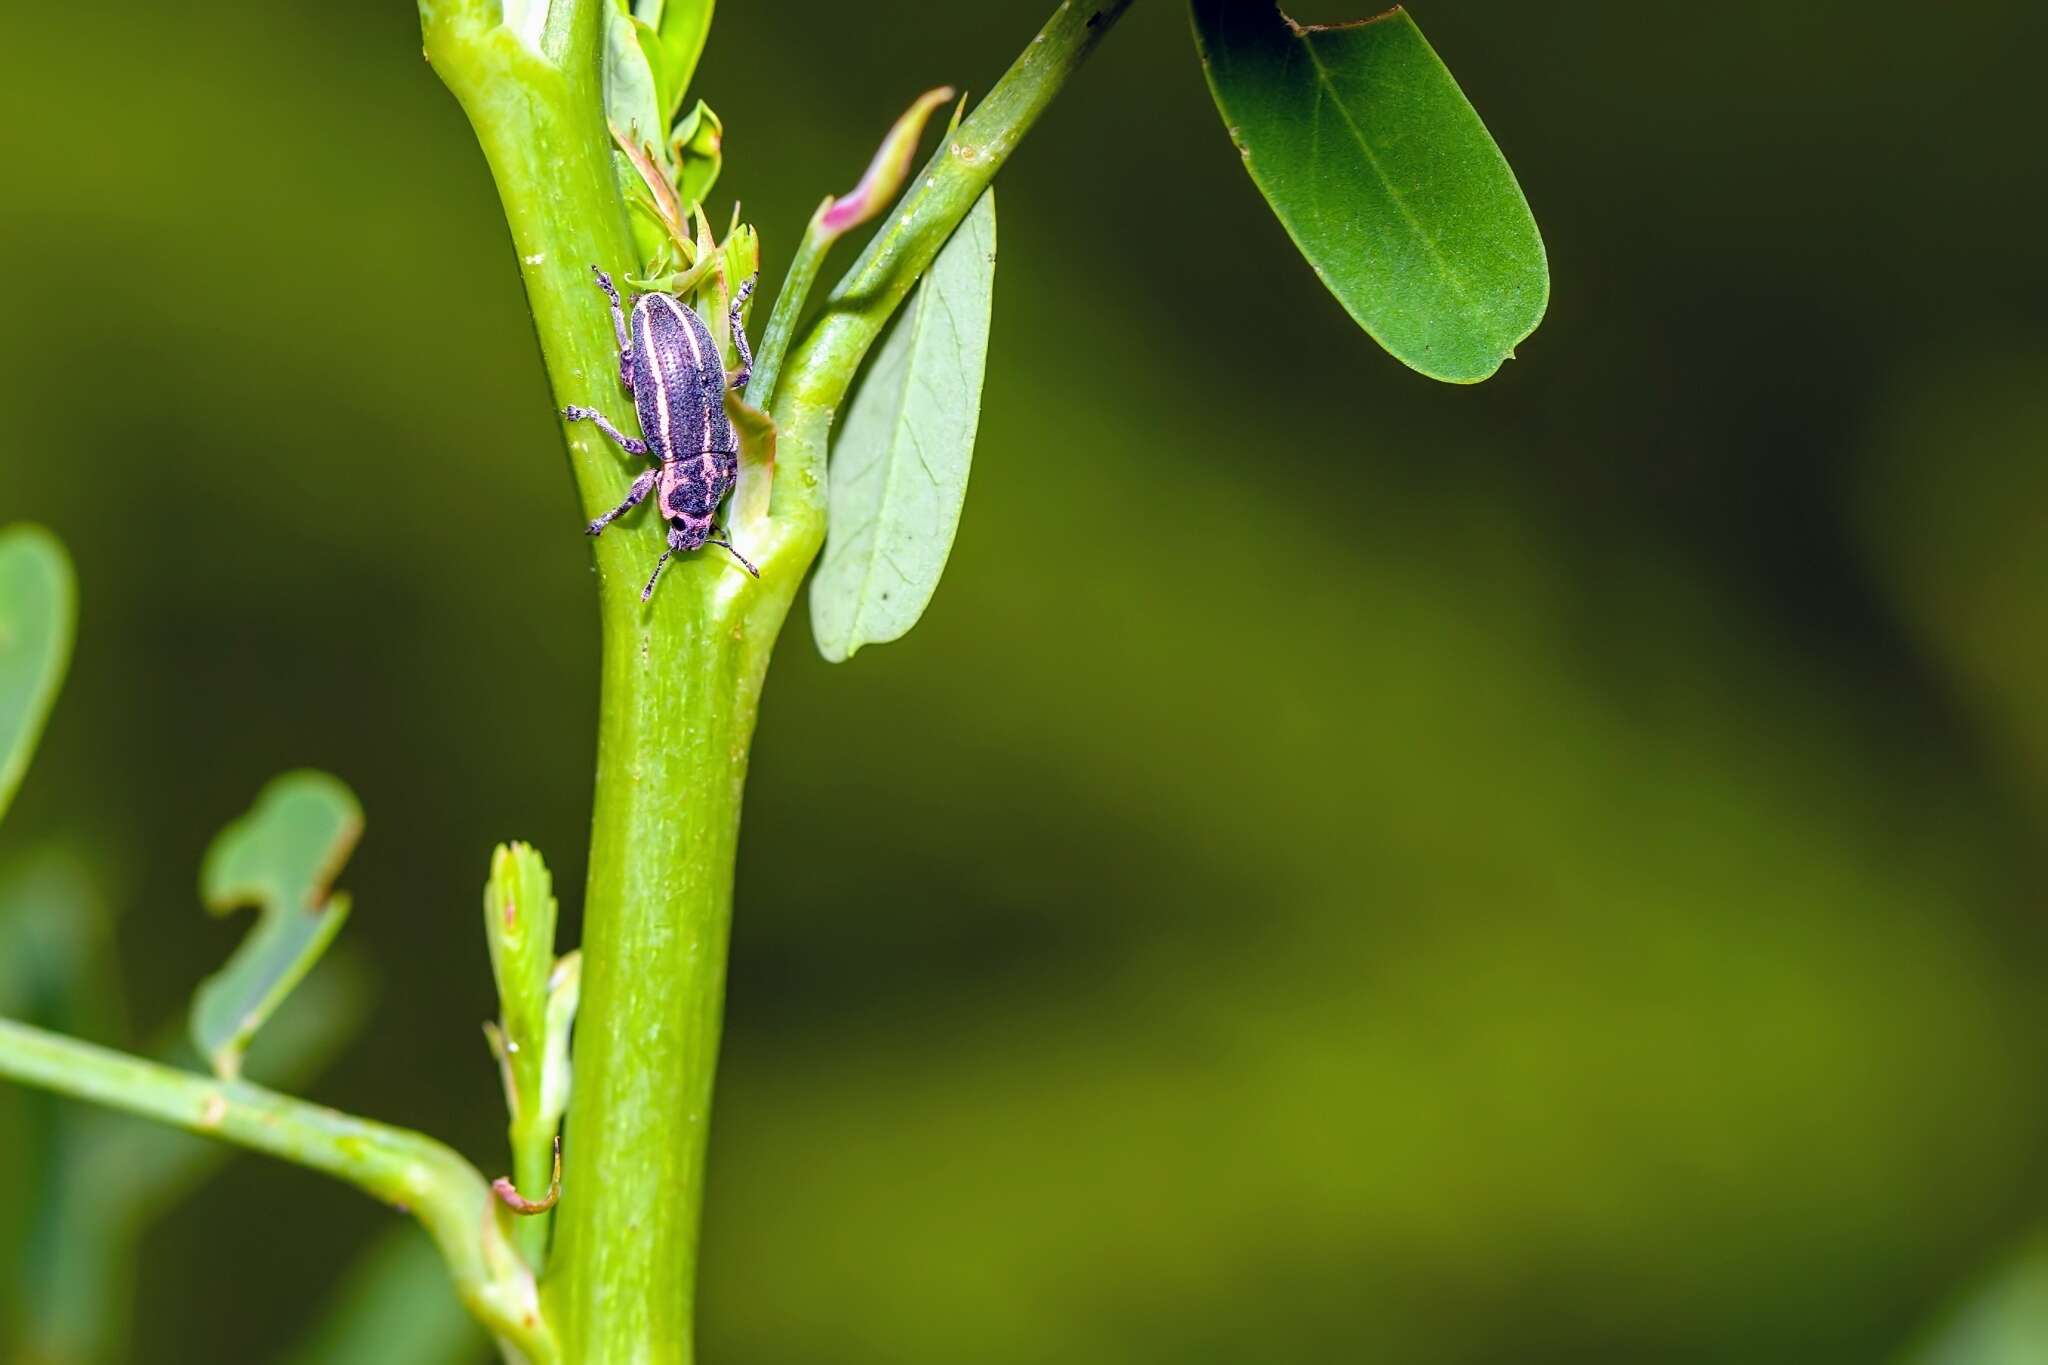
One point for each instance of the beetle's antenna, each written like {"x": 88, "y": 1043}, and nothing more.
{"x": 745, "y": 563}
{"x": 648, "y": 591}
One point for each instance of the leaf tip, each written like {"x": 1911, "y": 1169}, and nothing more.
{"x": 886, "y": 170}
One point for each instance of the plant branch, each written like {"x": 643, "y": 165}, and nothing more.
{"x": 681, "y": 675}
{"x": 401, "y": 1168}
{"x": 789, "y": 306}
{"x": 823, "y": 365}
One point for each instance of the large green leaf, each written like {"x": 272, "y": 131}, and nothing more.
{"x": 899, "y": 467}
{"x": 1385, "y": 177}
{"x": 281, "y": 857}
{"x": 37, "y": 602}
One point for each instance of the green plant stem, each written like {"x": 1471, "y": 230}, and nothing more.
{"x": 533, "y": 1162}
{"x": 401, "y": 1168}
{"x": 789, "y": 307}
{"x": 822, "y": 367}
{"x": 681, "y": 693}
{"x": 682, "y": 675}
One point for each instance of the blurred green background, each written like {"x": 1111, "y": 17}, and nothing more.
{"x": 1350, "y": 869}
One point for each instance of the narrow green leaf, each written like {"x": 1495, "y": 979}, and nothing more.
{"x": 661, "y": 72}
{"x": 37, "y": 603}
{"x": 565, "y": 994}
{"x": 1385, "y": 178}
{"x": 632, "y": 101}
{"x": 684, "y": 26}
{"x": 281, "y": 857}
{"x": 519, "y": 924}
{"x": 899, "y": 471}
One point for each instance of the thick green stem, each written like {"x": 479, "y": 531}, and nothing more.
{"x": 682, "y": 688}
{"x": 401, "y": 1168}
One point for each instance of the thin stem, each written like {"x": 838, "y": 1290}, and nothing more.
{"x": 789, "y": 307}
{"x": 861, "y": 303}
{"x": 401, "y": 1168}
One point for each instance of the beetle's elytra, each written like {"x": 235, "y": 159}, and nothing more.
{"x": 669, "y": 363}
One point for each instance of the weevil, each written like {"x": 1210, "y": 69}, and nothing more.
{"x": 669, "y": 363}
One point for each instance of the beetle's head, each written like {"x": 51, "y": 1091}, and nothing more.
{"x": 688, "y": 533}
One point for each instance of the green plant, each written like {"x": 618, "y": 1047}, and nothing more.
{"x": 1380, "y": 172}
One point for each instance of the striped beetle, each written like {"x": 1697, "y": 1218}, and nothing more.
{"x": 670, "y": 365}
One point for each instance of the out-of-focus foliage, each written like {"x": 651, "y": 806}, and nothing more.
{"x": 35, "y": 644}
{"x": 2002, "y": 1321}
{"x": 89, "y": 1183}
{"x": 281, "y": 857}
{"x": 1953, "y": 503}
{"x": 396, "y": 1304}
{"x": 1348, "y": 868}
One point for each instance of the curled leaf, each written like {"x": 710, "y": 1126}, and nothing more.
{"x": 281, "y": 857}
{"x": 886, "y": 172}
{"x": 647, "y": 187}
{"x": 698, "y": 146}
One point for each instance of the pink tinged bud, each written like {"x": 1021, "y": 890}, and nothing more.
{"x": 885, "y": 174}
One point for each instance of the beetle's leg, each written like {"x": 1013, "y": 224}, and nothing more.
{"x": 739, "y": 334}
{"x": 648, "y": 591}
{"x": 618, "y": 329}
{"x": 632, "y": 445}
{"x": 726, "y": 545}
{"x": 642, "y": 486}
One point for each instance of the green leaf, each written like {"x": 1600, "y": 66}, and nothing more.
{"x": 37, "y": 603}
{"x": 679, "y": 28}
{"x": 899, "y": 472}
{"x": 565, "y": 994}
{"x": 699, "y": 148}
{"x": 519, "y": 924}
{"x": 632, "y": 101}
{"x": 1385, "y": 178}
{"x": 631, "y": 95}
{"x": 281, "y": 857}
{"x": 632, "y": 105}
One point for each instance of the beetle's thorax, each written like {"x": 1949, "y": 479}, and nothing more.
{"x": 678, "y": 380}
{"x": 693, "y": 485}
